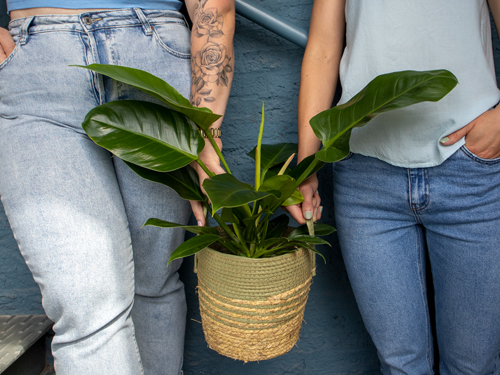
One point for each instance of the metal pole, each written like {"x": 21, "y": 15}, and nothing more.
{"x": 272, "y": 22}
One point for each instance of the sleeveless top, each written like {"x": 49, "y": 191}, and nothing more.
{"x": 92, "y": 4}
{"x": 393, "y": 35}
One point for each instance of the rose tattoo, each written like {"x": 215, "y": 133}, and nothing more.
{"x": 209, "y": 23}
{"x": 209, "y": 67}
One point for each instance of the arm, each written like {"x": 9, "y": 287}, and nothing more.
{"x": 212, "y": 65}
{"x": 482, "y": 135}
{"x": 319, "y": 76}
{"x": 6, "y": 44}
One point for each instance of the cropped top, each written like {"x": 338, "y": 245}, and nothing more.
{"x": 393, "y": 35}
{"x": 92, "y": 4}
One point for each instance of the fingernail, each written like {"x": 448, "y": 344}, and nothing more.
{"x": 444, "y": 140}
{"x": 320, "y": 209}
{"x": 308, "y": 215}
{"x": 200, "y": 223}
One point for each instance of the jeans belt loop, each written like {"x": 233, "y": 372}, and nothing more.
{"x": 23, "y": 38}
{"x": 145, "y": 23}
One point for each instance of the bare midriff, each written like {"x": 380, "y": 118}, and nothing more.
{"x": 21, "y": 13}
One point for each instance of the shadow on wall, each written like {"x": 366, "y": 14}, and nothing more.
{"x": 333, "y": 339}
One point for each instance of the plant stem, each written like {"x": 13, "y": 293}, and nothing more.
{"x": 258, "y": 151}
{"x": 217, "y": 150}
{"x": 228, "y": 230}
{"x": 304, "y": 175}
{"x": 243, "y": 243}
{"x": 204, "y": 167}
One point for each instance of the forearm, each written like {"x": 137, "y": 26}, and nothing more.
{"x": 212, "y": 61}
{"x": 320, "y": 66}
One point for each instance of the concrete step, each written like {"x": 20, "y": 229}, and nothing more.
{"x": 22, "y": 344}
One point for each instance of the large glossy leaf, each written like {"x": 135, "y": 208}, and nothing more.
{"x": 147, "y": 134}
{"x": 158, "y": 88}
{"x": 272, "y": 155}
{"x": 193, "y": 245}
{"x": 283, "y": 184}
{"x": 295, "y": 198}
{"x": 385, "y": 93}
{"x": 224, "y": 190}
{"x": 190, "y": 228}
{"x": 184, "y": 181}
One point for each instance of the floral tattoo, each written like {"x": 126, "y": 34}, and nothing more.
{"x": 209, "y": 67}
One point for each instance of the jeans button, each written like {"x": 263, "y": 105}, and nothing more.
{"x": 87, "y": 20}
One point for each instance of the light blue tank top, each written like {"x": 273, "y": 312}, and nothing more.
{"x": 392, "y": 35}
{"x": 92, "y": 4}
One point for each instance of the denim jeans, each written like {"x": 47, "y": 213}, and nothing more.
{"x": 75, "y": 211}
{"x": 387, "y": 219}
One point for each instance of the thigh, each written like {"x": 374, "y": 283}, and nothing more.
{"x": 384, "y": 252}
{"x": 463, "y": 235}
{"x": 64, "y": 206}
{"x": 59, "y": 189}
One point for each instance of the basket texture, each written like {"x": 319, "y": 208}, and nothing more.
{"x": 252, "y": 309}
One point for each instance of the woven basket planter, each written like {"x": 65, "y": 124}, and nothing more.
{"x": 252, "y": 309}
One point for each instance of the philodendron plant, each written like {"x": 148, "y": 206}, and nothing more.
{"x": 160, "y": 142}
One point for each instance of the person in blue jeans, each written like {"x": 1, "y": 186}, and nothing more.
{"x": 75, "y": 211}
{"x": 423, "y": 179}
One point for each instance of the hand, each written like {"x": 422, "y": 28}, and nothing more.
{"x": 310, "y": 208}
{"x": 210, "y": 158}
{"x": 482, "y": 135}
{"x": 7, "y": 44}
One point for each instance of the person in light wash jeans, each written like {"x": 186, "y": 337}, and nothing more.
{"x": 420, "y": 180}
{"x": 75, "y": 211}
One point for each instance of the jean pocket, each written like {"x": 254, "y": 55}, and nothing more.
{"x": 174, "y": 37}
{"x": 11, "y": 56}
{"x": 479, "y": 159}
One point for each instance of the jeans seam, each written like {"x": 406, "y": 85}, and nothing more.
{"x": 424, "y": 298}
{"x": 478, "y": 159}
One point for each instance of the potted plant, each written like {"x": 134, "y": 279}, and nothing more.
{"x": 254, "y": 272}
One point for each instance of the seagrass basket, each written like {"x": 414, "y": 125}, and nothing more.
{"x": 252, "y": 309}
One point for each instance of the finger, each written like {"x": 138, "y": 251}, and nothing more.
{"x": 198, "y": 212}
{"x": 456, "y": 136}
{"x": 7, "y": 44}
{"x": 308, "y": 207}
{"x": 296, "y": 212}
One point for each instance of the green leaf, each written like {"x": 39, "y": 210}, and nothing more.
{"x": 309, "y": 239}
{"x": 193, "y": 245}
{"x": 224, "y": 190}
{"x": 190, "y": 228}
{"x": 301, "y": 168}
{"x": 158, "y": 88}
{"x": 277, "y": 226}
{"x": 384, "y": 93}
{"x": 272, "y": 155}
{"x": 147, "y": 134}
{"x": 319, "y": 230}
{"x": 184, "y": 181}
{"x": 295, "y": 198}
{"x": 228, "y": 216}
{"x": 285, "y": 185}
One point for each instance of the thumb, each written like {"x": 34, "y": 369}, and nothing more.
{"x": 198, "y": 212}
{"x": 456, "y": 136}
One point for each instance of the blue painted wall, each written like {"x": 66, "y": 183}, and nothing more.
{"x": 333, "y": 339}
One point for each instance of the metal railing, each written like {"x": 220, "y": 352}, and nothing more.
{"x": 272, "y": 22}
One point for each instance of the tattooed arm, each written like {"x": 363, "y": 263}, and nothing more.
{"x": 212, "y": 64}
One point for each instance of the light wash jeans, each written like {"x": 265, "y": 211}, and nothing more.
{"x": 75, "y": 211}
{"x": 386, "y": 218}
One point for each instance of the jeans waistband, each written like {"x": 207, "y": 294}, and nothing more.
{"x": 89, "y": 21}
